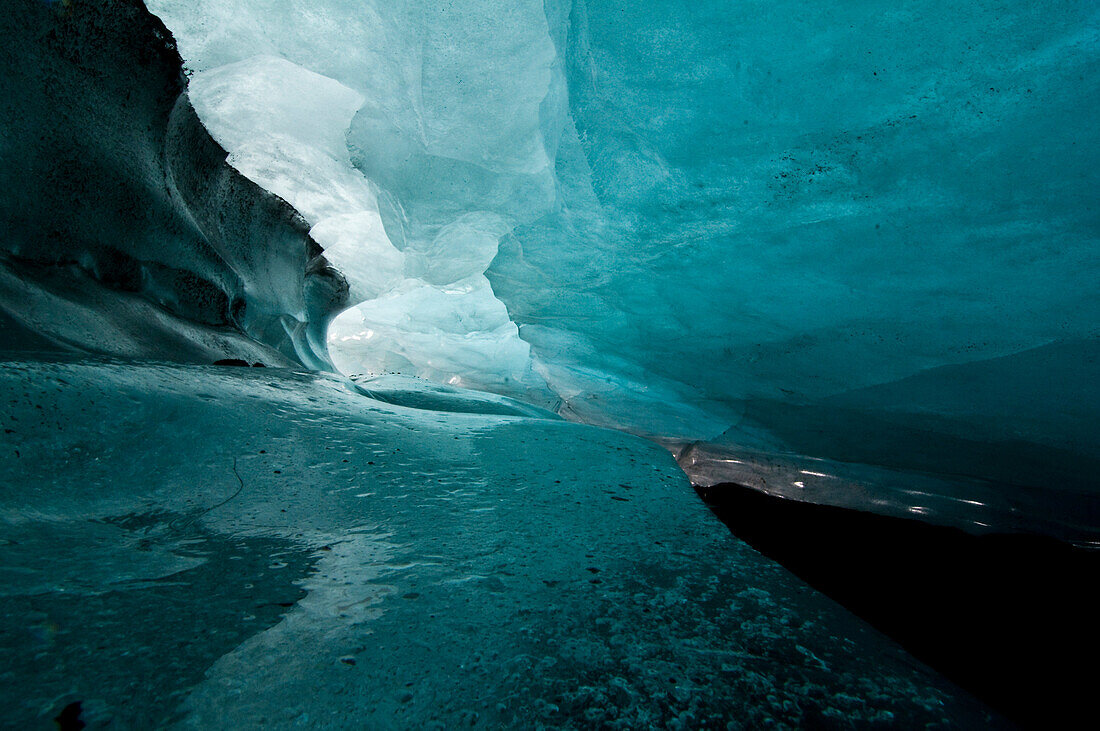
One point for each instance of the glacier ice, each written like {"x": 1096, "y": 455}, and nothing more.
{"x": 700, "y": 218}
{"x": 316, "y": 557}
{"x": 841, "y": 254}
{"x": 125, "y": 232}
{"x": 443, "y": 110}
{"x": 451, "y": 335}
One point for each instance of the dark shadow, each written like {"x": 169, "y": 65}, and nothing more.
{"x": 69, "y": 718}
{"x": 1010, "y": 618}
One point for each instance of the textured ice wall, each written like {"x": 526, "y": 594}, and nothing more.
{"x": 868, "y": 233}
{"x": 124, "y": 230}
{"x": 445, "y": 156}
{"x": 708, "y": 220}
{"x": 782, "y": 202}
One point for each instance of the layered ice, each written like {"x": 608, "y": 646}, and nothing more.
{"x": 125, "y": 231}
{"x": 425, "y": 99}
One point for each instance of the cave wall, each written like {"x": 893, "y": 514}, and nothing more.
{"x": 124, "y": 231}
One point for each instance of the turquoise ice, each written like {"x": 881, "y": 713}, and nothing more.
{"x": 842, "y": 253}
{"x": 700, "y": 221}
{"x": 317, "y": 558}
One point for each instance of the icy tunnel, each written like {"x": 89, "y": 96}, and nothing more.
{"x": 519, "y": 275}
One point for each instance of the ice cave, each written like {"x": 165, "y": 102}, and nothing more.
{"x": 609, "y": 364}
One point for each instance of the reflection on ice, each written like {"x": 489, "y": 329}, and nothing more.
{"x": 385, "y": 563}
{"x": 940, "y": 499}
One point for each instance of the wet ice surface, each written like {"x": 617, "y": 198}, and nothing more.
{"x": 418, "y": 393}
{"x": 230, "y": 547}
{"x": 976, "y": 506}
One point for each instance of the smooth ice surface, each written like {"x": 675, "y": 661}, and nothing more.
{"x": 237, "y": 547}
{"x": 975, "y": 505}
{"x": 701, "y": 216}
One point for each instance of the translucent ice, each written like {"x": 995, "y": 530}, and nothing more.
{"x": 459, "y": 334}
{"x": 685, "y": 220}
{"x": 703, "y": 218}
{"x": 441, "y": 110}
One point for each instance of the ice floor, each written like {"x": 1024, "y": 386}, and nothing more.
{"x": 218, "y": 547}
